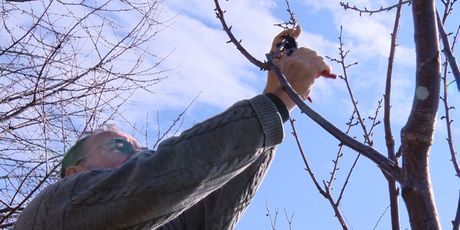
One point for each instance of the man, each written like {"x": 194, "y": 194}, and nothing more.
{"x": 202, "y": 179}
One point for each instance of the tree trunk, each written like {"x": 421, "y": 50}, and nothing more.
{"x": 417, "y": 135}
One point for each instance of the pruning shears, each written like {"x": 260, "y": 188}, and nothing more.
{"x": 288, "y": 45}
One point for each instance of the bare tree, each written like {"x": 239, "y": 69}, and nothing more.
{"x": 413, "y": 174}
{"x": 66, "y": 67}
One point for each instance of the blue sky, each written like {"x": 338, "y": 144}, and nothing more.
{"x": 201, "y": 63}
{"x": 204, "y": 64}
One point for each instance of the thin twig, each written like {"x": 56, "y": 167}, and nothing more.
{"x": 292, "y": 23}
{"x": 175, "y": 122}
{"x": 380, "y": 218}
{"x": 289, "y": 219}
{"x": 305, "y": 161}
{"x": 270, "y": 217}
{"x": 326, "y": 192}
{"x": 343, "y": 54}
{"x": 342, "y": 191}
{"x": 347, "y": 6}
{"x": 339, "y": 154}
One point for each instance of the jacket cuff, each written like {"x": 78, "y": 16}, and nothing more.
{"x": 269, "y": 119}
{"x": 280, "y": 106}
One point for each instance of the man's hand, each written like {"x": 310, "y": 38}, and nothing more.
{"x": 300, "y": 67}
{"x": 272, "y": 81}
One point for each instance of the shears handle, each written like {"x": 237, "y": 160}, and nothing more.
{"x": 288, "y": 45}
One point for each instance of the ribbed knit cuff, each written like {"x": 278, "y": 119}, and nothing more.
{"x": 270, "y": 119}
{"x": 280, "y": 106}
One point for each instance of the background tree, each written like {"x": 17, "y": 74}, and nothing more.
{"x": 413, "y": 175}
{"x": 66, "y": 67}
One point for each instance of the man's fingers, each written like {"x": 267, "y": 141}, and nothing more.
{"x": 327, "y": 72}
{"x": 294, "y": 33}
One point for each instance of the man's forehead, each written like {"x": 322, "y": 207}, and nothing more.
{"x": 104, "y": 136}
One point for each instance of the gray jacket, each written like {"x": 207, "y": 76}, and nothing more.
{"x": 202, "y": 179}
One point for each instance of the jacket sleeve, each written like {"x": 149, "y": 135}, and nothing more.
{"x": 222, "y": 208}
{"x": 155, "y": 187}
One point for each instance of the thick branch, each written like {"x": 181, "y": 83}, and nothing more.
{"x": 417, "y": 135}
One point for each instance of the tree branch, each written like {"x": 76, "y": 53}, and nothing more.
{"x": 347, "y": 6}
{"x": 456, "y": 222}
{"x": 326, "y": 192}
{"x": 389, "y": 140}
{"x": 446, "y": 117}
{"x": 448, "y": 52}
{"x": 292, "y": 23}
{"x": 417, "y": 139}
{"x": 227, "y": 29}
{"x": 388, "y": 166}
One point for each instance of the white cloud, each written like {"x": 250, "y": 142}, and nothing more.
{"x": 367, "y": 36}
{"x": 204, "y": 63}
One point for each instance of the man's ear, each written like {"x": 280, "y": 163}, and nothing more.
{"x": 73, "y": 169}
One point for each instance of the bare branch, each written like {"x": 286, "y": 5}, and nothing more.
{"x": 388, "y": 166}
{"x": 326, "y": 192}
{"x": 345, "y": 66}
{"x": 342, "y": 190}
{"x": 389, "y": 140}
{"x": 447, "y": 117}
{"x": 347, "y": 6}
{"x": 292, "y": 23}
{"x": 236, "y": 42}
{"x": 270, "y": 217}
{"x": 339, "y": 154}
{"x": 305, "y": 161}
{"x": 289, "y": 219}
{"x": 448, "y": 52}
{"x": 174, "y": 123}
{"x": 380, "y": 218}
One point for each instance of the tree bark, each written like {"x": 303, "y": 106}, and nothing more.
{"x": 417, "y": 135}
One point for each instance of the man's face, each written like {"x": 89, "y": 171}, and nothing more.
{"x": 109, "y": 149}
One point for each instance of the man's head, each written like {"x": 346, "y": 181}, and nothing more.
{"x": 107, "y": 148}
